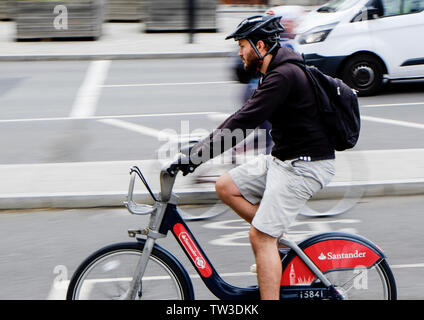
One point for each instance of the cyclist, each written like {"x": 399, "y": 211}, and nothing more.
{"x": 251, "y": 79}
{"x": 269, "y": 191}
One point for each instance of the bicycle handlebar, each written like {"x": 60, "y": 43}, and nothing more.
{"x": 167, "y": 180}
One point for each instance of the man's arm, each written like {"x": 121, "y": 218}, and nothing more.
{"x": 269, "y": 96}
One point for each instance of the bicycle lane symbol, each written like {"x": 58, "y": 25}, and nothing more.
{"x": 298, "y": 231}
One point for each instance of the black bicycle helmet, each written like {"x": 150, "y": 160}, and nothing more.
{"x": 260, "y": 27}
{"x": 263, "y": 27}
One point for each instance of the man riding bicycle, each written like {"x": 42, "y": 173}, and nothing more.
{"x": 269, "y": 191}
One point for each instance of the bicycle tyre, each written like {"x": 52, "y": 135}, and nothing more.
{"x": 385, "y": 274}
{"x": 107, "y": 273}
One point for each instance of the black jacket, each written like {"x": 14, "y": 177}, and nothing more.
{"x": 285, "y": 98}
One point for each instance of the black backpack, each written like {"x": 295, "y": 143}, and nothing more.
{"x": 338, "y": 106}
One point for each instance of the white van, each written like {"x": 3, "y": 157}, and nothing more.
{"x": 364, "y": 42}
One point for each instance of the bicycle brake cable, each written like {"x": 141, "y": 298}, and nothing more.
{"x": 140, "y": 175}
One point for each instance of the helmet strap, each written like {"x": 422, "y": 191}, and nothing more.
{"x": 261, "y": 58}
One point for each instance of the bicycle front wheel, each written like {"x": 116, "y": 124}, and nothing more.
{"x": 107, "y": 275}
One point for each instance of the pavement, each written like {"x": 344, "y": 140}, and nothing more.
{"x": 93, "y": 184}
{"x": 128, "y": 41}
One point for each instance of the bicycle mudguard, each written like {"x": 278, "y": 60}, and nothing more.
{"x": 329, "y": 251}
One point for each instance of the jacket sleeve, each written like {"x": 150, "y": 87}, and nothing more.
{"x": 266, "y": 100}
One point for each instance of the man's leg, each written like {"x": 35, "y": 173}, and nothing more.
{"x": 268, "y": 264}
{"x": 228, "y": 192}
{"x": 268, "y": 261}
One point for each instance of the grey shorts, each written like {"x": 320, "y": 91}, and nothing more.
{"x": 281, "y": 187}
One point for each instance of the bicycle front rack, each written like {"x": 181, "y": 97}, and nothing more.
{"x": 134, "y": 207}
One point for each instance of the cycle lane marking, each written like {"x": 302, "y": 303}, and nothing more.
{"x": 147, "y": 115}
{"x": 393, "y": 105}
{"x": 167, "y": 84}
{"x": 222, "y": 116}
{"x": 408, "y": 124}
{"x": 161, "y": 135}
{"x": 238, "y": 238}
{"x": 88, "y": 114}
{"x": 89, "y": 92}
{"x": 166, "y": 134}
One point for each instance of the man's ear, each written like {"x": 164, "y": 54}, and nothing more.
{"x": 260, "y": 44}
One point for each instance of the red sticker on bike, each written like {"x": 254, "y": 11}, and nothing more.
{"x": 193, "y": 251}
{"x": 341, "y": 254}
{"x": 329, "y": 255}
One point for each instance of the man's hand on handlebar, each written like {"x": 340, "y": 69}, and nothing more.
{"x": 183, "y": 164}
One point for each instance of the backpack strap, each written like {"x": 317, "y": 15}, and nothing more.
{"x": 312, "y": 80}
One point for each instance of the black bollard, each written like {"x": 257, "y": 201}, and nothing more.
{"x": 191, "y": 20}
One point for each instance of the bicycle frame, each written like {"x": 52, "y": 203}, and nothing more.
{"x": 165, "y": 218}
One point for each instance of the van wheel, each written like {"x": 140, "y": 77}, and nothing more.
{"x": 363, "y": 73}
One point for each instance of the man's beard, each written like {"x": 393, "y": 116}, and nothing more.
{"x": 251, "y": 64}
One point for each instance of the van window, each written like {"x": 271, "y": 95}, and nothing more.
{"x": 396, "y": 7}
{"x": 337, "y": 5}
{"x": 392, "y": 7}
{"x": 412, "y": 6}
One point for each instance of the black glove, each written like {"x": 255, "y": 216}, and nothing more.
{"x": 184, "y": 164}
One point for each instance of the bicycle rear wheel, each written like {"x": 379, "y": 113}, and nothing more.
{"x": 355, "y": 266}
{"x": 107, "y": 275}
{"x": 376, "y": 283}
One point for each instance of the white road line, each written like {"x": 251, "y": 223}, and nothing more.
{"x": 167, "y": 84}
{"x": 393, "y": 104}
{"x": 89, "y": 92}
{"x": 59, "y": 289}
{"x": 176, "y": 114}
{"x": 213, "y": 114}
{"x": 402, "y": 266}
{"x": 161, "y": 135}
{"x": 394, "y": 122}
{"x": 223, "y": 116}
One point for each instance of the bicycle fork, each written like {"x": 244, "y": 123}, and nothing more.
{"x": 140, "y": 269}
{"x": 152, "y": 234}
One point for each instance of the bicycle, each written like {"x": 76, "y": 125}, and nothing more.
{"x": 331, "y": 265}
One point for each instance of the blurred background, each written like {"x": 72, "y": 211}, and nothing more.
{"x": 90, "y": 88}
{"x": 43, "y": 19}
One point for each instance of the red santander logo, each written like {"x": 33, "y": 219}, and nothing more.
{"x": 192, "y": 250}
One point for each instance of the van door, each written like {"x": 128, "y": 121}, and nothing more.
{"x": 397, "y": 34}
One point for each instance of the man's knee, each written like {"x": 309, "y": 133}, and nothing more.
{"x": 255, "y": 236}
{"x": 220, "y": 186}
{"x": 225, "y": 187}
{"x": 258, "y": 238}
